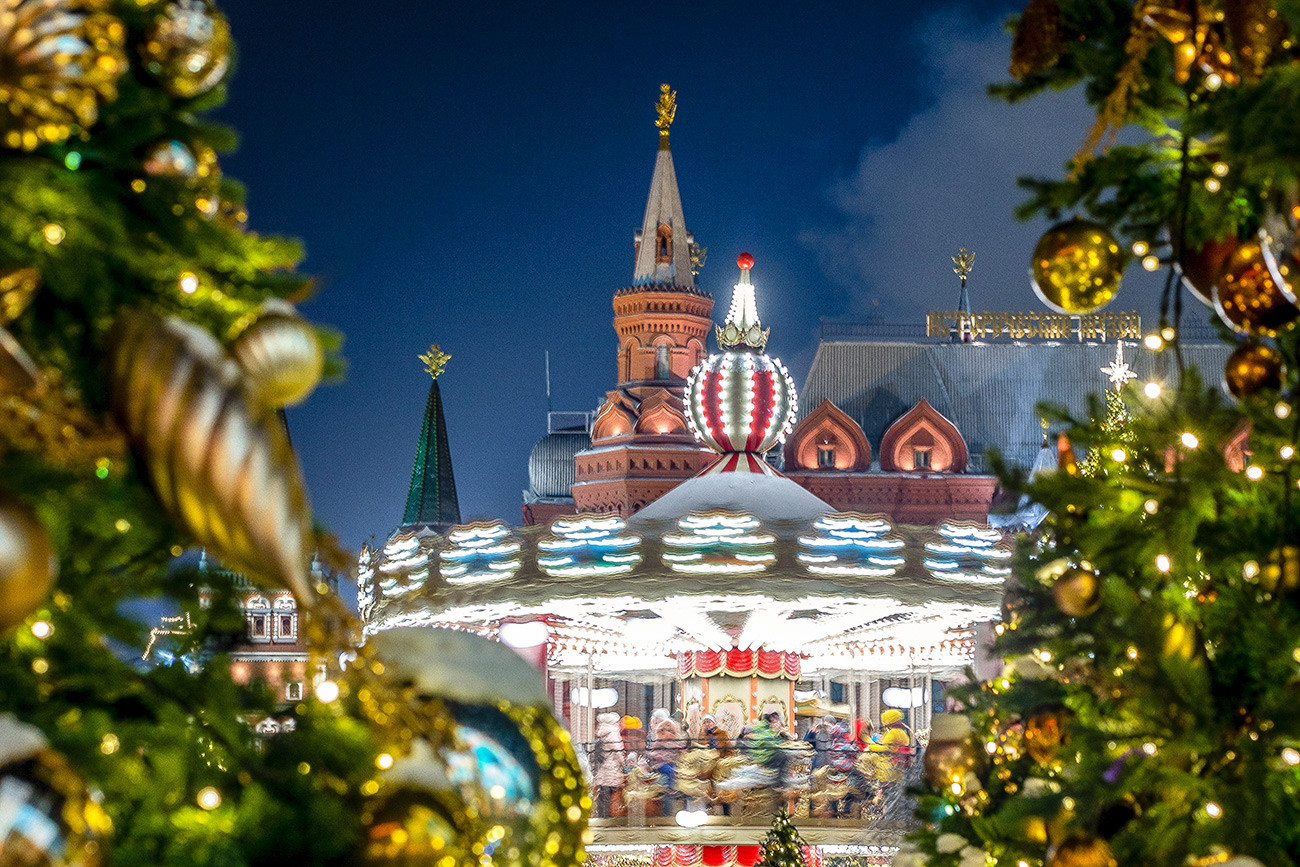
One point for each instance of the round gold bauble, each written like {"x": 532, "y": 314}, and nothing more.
{"x": 27, "y": 562}
{"x": 951, "y": 753}
{"x": 219, "y": 462}
{"x": 59, "y": 61}
{"x": 53, "y": 819}
{"x": 1077, "y": 266}
{"x": 1249, "y": 298}
{"x": 1253, "y": 367}
{"x": 410, "y": 825}
{"x": 492, "y": 774}
{"x": 1083, "y": 850}
{"x": 1201, "y": 266}
{"x": 1180, "y": 641}
{"x": 1282, "y": 571}
{"x": 17, "y": 286}
{"x": 1077, "y": 592}
{"x": 1046, "y": 729}
{"x": 188, "y": 47}
{"x": 281, "y": 356}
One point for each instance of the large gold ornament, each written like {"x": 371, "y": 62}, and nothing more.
{"x": 1249, "y": 298}
{"x": 53, "y": 821}
{"x": 951, "y": 753}
{"x": 219, "y": 462}
{"x": 59, "y": 60}
{"x": 1252, "y": 368}
{"x": 27, "y": 563}
{"x": 1077, "y": 592}
{"x": 483, "y": 768}
{"x": 188, "y": 48}
{"x": 1180, "y": 640}
{"x": 1077, "y": 266}
{"x": 17, "y": 286}
{"x": 1282, "y": 571}
{"x": 1083, "y": 850}
{"x": 1046, "y": 730}
{"x": 281, "y": 355}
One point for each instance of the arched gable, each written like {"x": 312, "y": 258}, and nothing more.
{"x": 612, "y": 420}
{"x": 923, "y": 440}
{"x": 661, "y": 419}
{"x": 828, "y": 439}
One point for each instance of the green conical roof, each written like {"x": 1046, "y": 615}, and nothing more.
{"x": 432, "y": 498}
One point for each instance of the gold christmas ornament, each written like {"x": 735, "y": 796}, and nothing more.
{"x": 1038, "y": 42}
{"x": 219, "y": 462}
{"x": 1046, "y": 729}
{"x": 1077, "y": 592}
{"x": 281, "y": 355}
{"x": 53, "y": 820}
{"x": 951, "y": 753}
{"x": 27, "y": 563}
{"x": 1180, "y": 641}
{"x": 1077, "y": 266}
{"x": 17, "y": 286}
{"x": 59, "y": 60}
{"x": 1282, "y": 571}
{"x": 188, "y": 48}
{"x": 486, "y": 768}
{"x": 1254, "y": 367}
{"x": 1201, "y": 266}
{"x": 1247, "y": 296}
{"x": 1083, "y": 850}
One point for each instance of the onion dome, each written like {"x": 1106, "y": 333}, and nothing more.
{"x": 741, "y": 400}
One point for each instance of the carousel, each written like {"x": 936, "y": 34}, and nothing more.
{"x": 736, "y": 596}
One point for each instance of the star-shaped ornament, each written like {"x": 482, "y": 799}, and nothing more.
{"x": 1118, "y": 371}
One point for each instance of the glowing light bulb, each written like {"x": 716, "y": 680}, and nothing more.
{"x": 1045, "y": 655}
{"x": 1249, "y": 570}
{"x": 1220, "y": 169}
{"x": 1152, "y": 389}
{"x": 327, "y": 691}
{"x": 992, "y": 747}
{"x": 209, "y": 798}
{"x": 42, "y": 629}
{"x": 1141, "y": 248}
{"x": 189, "y": 283}
{"x": 1286, "y": 452}
{"x": 1189, "y": 440}
{"x": 1163, "y": 563}
{"x": 1119, "y": 456}
{"x": 1150, "y": 507}
{"x": 1254, "y": 472}
{"x": 1213, "y": 81}
{"x": 1213, "y": 185}
{"x": 384, "y": 761}
{"x": 1291, "y": 756}
{"x": 1168, "y": 333}
{"x": 1149, "y": 748}
{"x": 1132, "y": 653}
{"x": 54, "y": 234}
{"x": 1153, "y": 342}
{"x": 1213, "y": 810}
{"x": 1151, "y": 262}
{"x": 1282, "y": 409}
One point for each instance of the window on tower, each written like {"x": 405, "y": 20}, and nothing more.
{"x": 663, "y": 244}
{"x": 920, "y": 459}
{"x": 826, "y": 457}
{"x": 663, "y": 369}
{"x": 293, "y": 690}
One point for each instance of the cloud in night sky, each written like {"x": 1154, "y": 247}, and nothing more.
{"x": 949, "y": 180}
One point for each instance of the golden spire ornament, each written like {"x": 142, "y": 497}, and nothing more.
{"x": 964, "y": 261}
{"x": 667, "y": 109}
{"x": 435, "y": 360}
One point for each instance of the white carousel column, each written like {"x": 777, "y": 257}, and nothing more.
{"x": 929, "y": 700}
{"x": 911, "y": 690}
{"x": 590, "y": 734}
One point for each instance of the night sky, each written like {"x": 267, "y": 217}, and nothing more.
{"x": 471, "y": 174}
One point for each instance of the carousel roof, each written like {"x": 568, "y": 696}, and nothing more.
{"x": 847, "y": 592}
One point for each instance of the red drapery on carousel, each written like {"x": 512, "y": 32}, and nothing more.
{"x": 739, "y": 663}
{"x": 679, "y": 855}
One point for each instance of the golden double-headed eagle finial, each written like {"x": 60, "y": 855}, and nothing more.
{"x": 667, "y": 110}
{"x": 964, "y": 261}
{"x": 435, "y": 360}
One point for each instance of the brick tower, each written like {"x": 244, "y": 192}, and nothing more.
{"x": 641, "y": 446}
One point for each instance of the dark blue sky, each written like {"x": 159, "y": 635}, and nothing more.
{"x": 471, "y": 174}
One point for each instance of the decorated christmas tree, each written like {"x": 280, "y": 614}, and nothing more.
{"x": 1147, "y": 711}
{"x": 148, "y": 342}
{"x": 782, "y": 847}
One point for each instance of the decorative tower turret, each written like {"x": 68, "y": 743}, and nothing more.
{"x": 640, "y": 444}
{"x": 431, "y": 500}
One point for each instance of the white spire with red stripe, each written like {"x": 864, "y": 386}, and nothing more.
{"x": 742, "y": 402}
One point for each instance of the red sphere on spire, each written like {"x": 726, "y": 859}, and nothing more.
{"x": 745, "y": 261}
